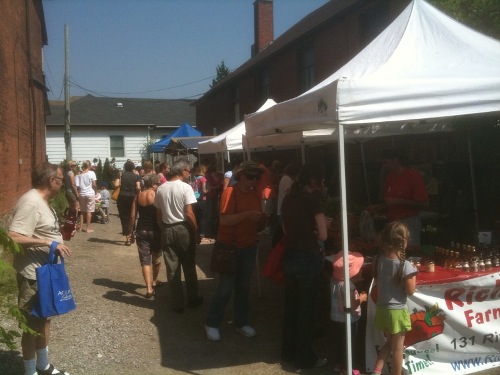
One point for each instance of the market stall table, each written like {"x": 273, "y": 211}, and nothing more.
{"x": 455, "y": 324}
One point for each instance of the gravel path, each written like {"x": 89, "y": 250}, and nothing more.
{"x": 115, "y": 330}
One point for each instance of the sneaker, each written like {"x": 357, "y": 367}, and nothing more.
{"x": 246, "y": 331}
{"x": 51, "y": 370}
{"x": 212, "y": 333}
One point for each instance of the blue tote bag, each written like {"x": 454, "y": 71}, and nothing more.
{"x": 54, "y": 293}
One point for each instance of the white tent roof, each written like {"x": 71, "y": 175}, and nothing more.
{"x": 425, "y": 65}
{"x": 231, "y": 139}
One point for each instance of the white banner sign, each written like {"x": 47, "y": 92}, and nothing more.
{"x": 455, "y": 328}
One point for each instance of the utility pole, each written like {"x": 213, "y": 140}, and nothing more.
{"x": 67, "y": 121}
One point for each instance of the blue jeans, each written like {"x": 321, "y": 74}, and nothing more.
{"x": 240, "y": 282}
{"x": 302, "y": 272}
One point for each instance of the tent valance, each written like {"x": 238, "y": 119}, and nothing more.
{"x": 231, "y": 139}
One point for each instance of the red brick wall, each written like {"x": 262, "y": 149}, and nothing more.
{"x": 22, "y": 117}
{"x": 335, "y": 43}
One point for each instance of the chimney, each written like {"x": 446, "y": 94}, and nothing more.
{"x": 263, "y": 25}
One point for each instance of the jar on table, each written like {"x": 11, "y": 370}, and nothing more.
{"x": 465, "y": 266}
{"x": 496, "y": 261}
{"x": 481, "y": 265}
{"x": 475, "y": 266}
{"x": 487, "y": 264}
{"x": 431, "y": 267}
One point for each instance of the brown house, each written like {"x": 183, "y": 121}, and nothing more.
{"x": 23, "y": 98}
{"x": 303, "y": 56}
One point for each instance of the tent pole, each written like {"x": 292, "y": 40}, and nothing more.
{"x": 363, "y": 161}
{"x": 303, "y": 152}
{"x": 473, "y": 180}
{"x": 345, "y": 247}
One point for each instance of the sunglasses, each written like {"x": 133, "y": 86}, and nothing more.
{"x": 252, "y": 176}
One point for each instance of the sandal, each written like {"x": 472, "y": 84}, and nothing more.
{"x": 149, "y": 295}
{"x": 51, "y": 370}
{"x": 159, "y": 284}
{"x": 127, "y": 243}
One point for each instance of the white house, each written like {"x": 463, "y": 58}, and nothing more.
{"x": 113, "y": 127}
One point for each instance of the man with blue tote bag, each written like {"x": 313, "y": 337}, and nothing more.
{"x": 35, "y": 226}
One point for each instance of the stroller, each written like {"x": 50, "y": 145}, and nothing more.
{"x": 101, "y": 214}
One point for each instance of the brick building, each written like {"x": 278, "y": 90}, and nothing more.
{"x": 303, "y": 56}
{"x": 23, "y": 98}
{"x": 313, "y": 49}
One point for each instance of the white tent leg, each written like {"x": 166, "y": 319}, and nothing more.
{"x": 345, "y": 247}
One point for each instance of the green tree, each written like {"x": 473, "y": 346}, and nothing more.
{"x": 8, "y": 337}
{"x": 147, "y": 149}
{"x": 222, "y": 72}
{"x": 481, "y": 15}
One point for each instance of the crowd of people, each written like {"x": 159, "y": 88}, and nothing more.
{"x": 167, "y": 210}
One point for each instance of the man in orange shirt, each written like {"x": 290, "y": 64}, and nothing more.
{"x": 241, "y": 217}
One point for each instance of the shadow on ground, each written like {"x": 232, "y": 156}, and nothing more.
{"x": 11, "y": 362}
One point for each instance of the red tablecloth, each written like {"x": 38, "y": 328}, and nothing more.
{"x": 440, "y": 276}
{"x": 443, "y": 275}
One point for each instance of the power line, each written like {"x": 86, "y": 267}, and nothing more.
{"x": 46, "y": 63}
{"x": 105, "y": 93}
{"x": 101, "y": 94}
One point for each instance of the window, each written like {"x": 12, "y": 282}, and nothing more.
{"x": 306, "y": 68}
{"x": 117, "y": 146}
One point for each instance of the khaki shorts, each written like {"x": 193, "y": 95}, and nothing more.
{"x": 87, "y": 203}
{"x": 27, "y": 297}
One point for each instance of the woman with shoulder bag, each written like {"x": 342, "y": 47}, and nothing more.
{"x": 130, "y": 186}
{"x": 148, "y": 235}
{"x": 304, "y": 224}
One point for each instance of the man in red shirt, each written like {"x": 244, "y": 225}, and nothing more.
{"x": 404, "y": 194}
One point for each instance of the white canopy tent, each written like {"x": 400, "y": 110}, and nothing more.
{"x": 231, "y": 139}
{"x": 424, "y": 68}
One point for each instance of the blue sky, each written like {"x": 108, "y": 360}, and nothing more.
{"x": 153, "y": 48}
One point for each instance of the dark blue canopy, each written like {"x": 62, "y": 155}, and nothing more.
{"x": 185, "y": 130}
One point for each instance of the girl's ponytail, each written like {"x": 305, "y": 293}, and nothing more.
{"x": 393, "y": 238}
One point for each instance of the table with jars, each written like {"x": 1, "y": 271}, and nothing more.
{"x": 455, "y": 313}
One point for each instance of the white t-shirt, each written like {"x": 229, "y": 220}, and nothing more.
{"x": 84, "y": 183}
{"x": 171, "y": 197}
{"x": 283, "y": 189}
{"x": 33, "y": 217}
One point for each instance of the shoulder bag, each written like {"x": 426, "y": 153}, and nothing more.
{"x": 116, "y": 192}
{"x": 54, "y": 293}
